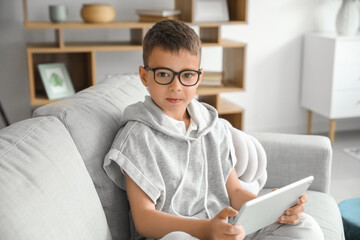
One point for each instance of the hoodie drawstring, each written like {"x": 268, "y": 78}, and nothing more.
{"x": 206, "y": 176}
{"x": 183, "y": 179}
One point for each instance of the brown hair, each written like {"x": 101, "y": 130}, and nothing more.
{"x": 171, "y": 35}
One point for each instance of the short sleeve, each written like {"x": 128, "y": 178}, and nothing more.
{"x": 130, "y": 153}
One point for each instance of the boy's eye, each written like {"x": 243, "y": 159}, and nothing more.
{"x": 187, "y": 75}
{"x": 163, "y": 74}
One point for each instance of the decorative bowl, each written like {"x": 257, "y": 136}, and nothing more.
{"x": 97, "y": 13}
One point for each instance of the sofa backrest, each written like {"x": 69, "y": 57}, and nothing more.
{"x": 45, "y": 190}
{"x": 93, "y": 117}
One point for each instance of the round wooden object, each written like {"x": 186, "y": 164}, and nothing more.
{"x": 97, "y": 13}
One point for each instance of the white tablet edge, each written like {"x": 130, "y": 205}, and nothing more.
{"x": 290, "y": 193}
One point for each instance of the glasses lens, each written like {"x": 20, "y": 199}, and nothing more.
{"x": 163, "y": 76}
{"x": 189, "y": 77}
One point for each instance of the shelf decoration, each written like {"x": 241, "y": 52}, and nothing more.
{"x": 148, "y": 15}
{"x": 97, "y": 13}
{"x": 211, "y": 11}
{"x": 58, "y": 13}
{"x": 56, "y": 80}
{"x": 347, "y": 20}
{"x": 212, "y": 79}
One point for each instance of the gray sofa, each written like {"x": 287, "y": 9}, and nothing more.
{"x": 53, "y": 186}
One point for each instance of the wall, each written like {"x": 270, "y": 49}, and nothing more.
{"x": 14, "y": 93}
{"x": 273, "y": 74}
{"x": 274, "y": 37}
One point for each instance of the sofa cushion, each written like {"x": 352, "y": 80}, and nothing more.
{"x": 46, "y": 192}
{"x": 93, "y": 117}
{"x": 324, "y": 209}
{"x": 326, "y": 212}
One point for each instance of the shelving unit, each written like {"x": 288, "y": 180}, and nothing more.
{"x": 80, "y": 57}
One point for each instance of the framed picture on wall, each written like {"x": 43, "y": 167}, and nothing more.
{"x": 211, "y": 11}
{"x": 56, "y": 80}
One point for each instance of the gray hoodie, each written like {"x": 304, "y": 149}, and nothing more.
{"x": 182, "y": 175}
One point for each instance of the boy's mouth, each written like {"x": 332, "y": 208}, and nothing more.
{"x": 173, "y": 100}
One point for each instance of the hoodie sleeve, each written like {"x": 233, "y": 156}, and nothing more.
{"x": 130, "y": 153}
{"x": 229, "y": 156}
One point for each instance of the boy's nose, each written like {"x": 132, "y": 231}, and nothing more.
{"x": 175, "y": 85}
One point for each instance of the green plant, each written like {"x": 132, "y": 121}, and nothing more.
{"x": 55, "y": 80}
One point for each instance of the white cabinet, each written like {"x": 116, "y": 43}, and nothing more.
{"x": 331, "y": 77}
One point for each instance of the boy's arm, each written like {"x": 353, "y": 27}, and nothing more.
{"x": 238, "y": 196}
{"x": 152, "y": 223}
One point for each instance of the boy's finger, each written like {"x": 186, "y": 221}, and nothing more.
{"x": 232, "y": 230}
{"x": 298, "y": 208}
{"x": 227, "y": 212}
{"x": 303, "y": 198}
{"x": 292, "y": 219}
{"x": 231, "y": 237}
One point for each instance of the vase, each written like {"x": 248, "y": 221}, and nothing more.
{"x": 325, "y": 16}
{"x": 347, "y": 20}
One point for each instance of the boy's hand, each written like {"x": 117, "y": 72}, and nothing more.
{"x": 293, "y": 214}
{"x": 221, "y": 229}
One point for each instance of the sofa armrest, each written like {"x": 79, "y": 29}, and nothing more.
{"x": 291, "y": 157}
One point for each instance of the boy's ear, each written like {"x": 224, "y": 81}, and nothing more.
{"x": 143, "y": 75}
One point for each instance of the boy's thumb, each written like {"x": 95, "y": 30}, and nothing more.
{"x": 227, "y": 212}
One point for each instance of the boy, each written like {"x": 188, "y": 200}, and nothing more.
{"x": 174, "y": 153}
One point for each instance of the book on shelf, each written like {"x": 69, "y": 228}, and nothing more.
{"x": 149, "y": 18}
{"x": 212, "y": 79}
{"x": 215, "y": 84}
{"x": 159, "y": 12}
{"x": 148, "y": 15}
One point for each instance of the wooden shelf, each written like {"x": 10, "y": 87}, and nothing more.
{"x": 41, "y": 99}
{"x": 83, "y": 47}
{"x": 80, "y": 66}
{"x": 79, "y": 57}
{"x": 231, "y": 112}
{"x": 223, "y": 43}
{"x": 114, "y": 25}
{"x": 237, "y": 10}
{"x": 84, "y": 25}
{"x": 226, "y": 43}
{"x": 214, "y": 90}
{"x": 117, "y": 46}
{"x": 226, "y": 107}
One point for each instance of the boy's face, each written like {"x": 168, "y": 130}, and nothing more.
{"x": 174, "y": 97}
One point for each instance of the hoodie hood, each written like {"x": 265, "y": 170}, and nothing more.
{"x": 148, "y": 113}
{"x": 182, "y": 175}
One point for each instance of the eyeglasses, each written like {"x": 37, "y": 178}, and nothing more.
{"x": 165, "y": 76}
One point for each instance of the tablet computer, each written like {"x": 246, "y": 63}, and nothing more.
{"x": 267, "y": 209}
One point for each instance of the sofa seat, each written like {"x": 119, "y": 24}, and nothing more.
{"x": 324, "y": 209}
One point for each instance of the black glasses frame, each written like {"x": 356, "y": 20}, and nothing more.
{"x": 174, "y": 74}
